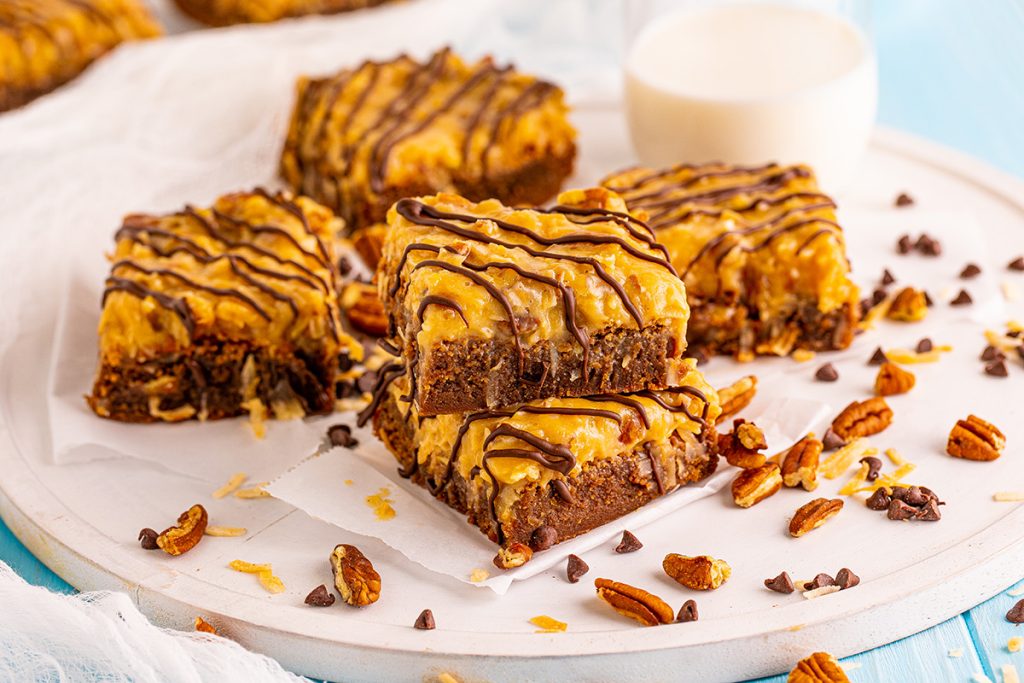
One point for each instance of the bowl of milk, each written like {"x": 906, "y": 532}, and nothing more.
{"x": 750, "y": 82}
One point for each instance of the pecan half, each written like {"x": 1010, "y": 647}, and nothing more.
{"x": 813, "y": 514}
{"x": 512, "y": 556}
{"x": 177, "y": 540}
{"x": 737, "y": 396}
{"x": 364, "y": 309}
{"x": 369, "y": 244}
{"x": 862, "y": 418}
{"x": 909, "y": 305}
{"x": 975, "y": 439}
{"x": 800, "y": 464}
{"x": 357, "y": 581}
{"x": 635, "y": 603}
{"x": 752, "y": 486}
{"x": 821, "y": 667}
{"x": 741, "y": 446}
{"x": 701, "y": 573}
{"x": 892, "y": 380}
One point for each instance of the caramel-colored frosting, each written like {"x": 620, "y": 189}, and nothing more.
{"x": 754, "y": 234}
{"x": 437, "y": 124}
{"x": 255, "y": 266}
{"x": 44, "y": 43}
{"x": 453, "y": 270}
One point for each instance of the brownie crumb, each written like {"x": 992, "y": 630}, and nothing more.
{"x": 925, "y": 345}
{"x": 425, "y": 621}
{"x": 887, "y": 278}
{"x": 1017, "y": 264}
{"x": 341, "y": 435}
{"x": 628, "y": 544}
{"x": 320, "y": 597}
{"x": 827, "y": 373}
{"x": 575, "y": 568}
{"x": 1016, "y": 613}
{"x": 904, "y": 244}
{"x": 971, "y": 270}
{"x": 962, "y": 299}
{"x": 846, "y": 579}
{"x": 543, "y": 538}
{"x": 780, "y": 584}
{"x": 147, "y": 539}
{"x": 996, "y": 368}
{"x": 688, "y": 612}
{"x": 903, "y": 200}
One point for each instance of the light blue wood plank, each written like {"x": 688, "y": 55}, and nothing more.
{"x": 991, "y": 632}
{"x": 28, "y": 567}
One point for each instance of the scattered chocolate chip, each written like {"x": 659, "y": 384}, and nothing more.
{"x": 898, "y": 510}
{"x": 904, "y": 245}
{"x": 780, "y": 584}
{"x": 929, "y": 512}
{"x": 969, "y": 271}
{"x": 846, "y": 579}
{"x": 898, "y": 492}
{"x": 874, "y": 467}
{"x": 827, "y": 373}
{"x": 688, "y": 612}
{"x": 819, "y": 581}
{"x": 962, "y": 299}
{"x": 903, "y": 200}
{"x": 1015, "y": 333}
{"x": 344, "y": 265}
{"x": 425, "y": 621}
{"x": 543, "y": 538}
{"x": 366, "y": 381}
{"x": 925, "y": 345}
{"x": 996, "y": 368}
{"x": 865, "y": 306}
{"x": 320, "y": 597}
{"x": 831, "y": 441}
{"x": 345, "y": 362}
{"x": 931, "y": 494}
{"x": 147, "y": 539}
{"x": 575, "y": 568}
{"x": 916, "y": 496}
{"x": 878, "y": 357}
{"x": 879, "y": 500}
{"x": 1016, "y": 264}
{"x": 992, "y": 353}
{"x": 887, "y": 278}
{"x": 1016, "y": 613}
{"x": 346, "y": 389}
{"x": 341, "y": 435}
{"x": 628, "y": 544}
{"x": 878, "y": 296}
{"x": 928, "y": 246}
{"x": 928, "y": 301}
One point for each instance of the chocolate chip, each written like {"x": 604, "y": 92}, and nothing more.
{"x": 345, "y": 362}
{"x": 874, "y": 467}
{"x": 575, "y": 568}
{"x": 147, "y": 539}
{"x": 992, "y": 353}
{"x": 916, "y": 497}
{"x": 341, "y": 435}
{"x": 346, "y": 389}
{"x": 1016, "y": 264}
{"x": 1015, "y": 333}
{"x": 898, "y": 511}
{"x": 846, "y": 579}
{"x": 898, "y": 492}
{"x": 1016, "y": 613}
{"x": 887, "y": 278}
{"x": 879, "y": 500}
{"x": 904, "y": 245}
{"x": 688, "y": 612}
{"x": 819, "y": 581}
{"x": 962, "y": 299}
{"x": 628, "y": 544}
{"x": 904, "y": 200}
{"x": 969, "y": 271}
{"x": 930, "y": 512}
{"x": 878, "y": 357}
{"x": 780, "y": 584}
{"x": 831, "y": 441}
{"x": 931, "y": 494}
{"x": 320, "y": 597}
{"x": 928, "y": 299}
{"x": 543, "y": 538}
{"x": 925, "y": 345}
{"x": 928, "y": 245}
{"x": 826, "y": 373}
{"x": 996, "y": 368}
{"x": 878, "y": 296}
{"x": 344, "y": 265}
{"x": 425, "y": 621}
{"x": 367, "y": 381}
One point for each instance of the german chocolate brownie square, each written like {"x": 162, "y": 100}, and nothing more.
{"x": 493, "y": 306}
{"x": 221, "y": 311}
{"x": 571, "y": 464}
{"x": 368, "y": 136}
{"x": 226, "y": 12}
{"x": 759, "y": 248}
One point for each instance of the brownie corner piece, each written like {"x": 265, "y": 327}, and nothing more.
{"x": 215, "y": 312}
{"x": 493, "y": 306}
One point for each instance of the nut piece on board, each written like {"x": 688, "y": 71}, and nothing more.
{"x": 512, "y": 556}
{"x": 635, "y": 603}
{"x": 364, "y": 309}
{"x": 752, "y": 486}
{"x": 862, "y": 418}
{"x": 741, "y": 446}
{"x": 357, "y": 581}
{"x": 975, "y": 439}
{"x": 909, "y": 305}
{"x": 369, "y": 243}
{"x": 737, "y": 396}
{"x": 203, "y": 626}
{"x": 892, "y": 380}
{"x": 821, "y": 667}
{"x": 813, "y": 514}
{"x": 701, "y": 573}
{"x": 179, "y": 539}
{"x": 800, "y": 464}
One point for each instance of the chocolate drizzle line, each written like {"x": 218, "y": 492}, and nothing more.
{"x": 178, "y": 306}
{"x": 385, "y": 376}
{"x": 655, "y": 468}
{"x": 438, "y": 300}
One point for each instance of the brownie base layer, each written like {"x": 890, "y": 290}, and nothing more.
{"x": 603, "y": 491}
{"x": 209, "y": 378}
{"x": 476, "y": 374}
{"x": 724, "y": 329}
{"x": 200, "y": 10}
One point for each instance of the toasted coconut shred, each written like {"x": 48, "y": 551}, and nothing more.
{"x": 232, "y": 485}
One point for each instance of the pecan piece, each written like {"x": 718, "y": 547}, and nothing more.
{"x": 909, "y": 305}
{"x": 179, "y": 539}
{"x": 752, "y": 486}
{"x": 821, "y": 667}
{"x": 364, "y": 308}
{"x": 813, "y": 514}
{"x": 635, "y": 603}
{"x": 357, "y": 581}
{"x": 740, "y": 447}
{"x": 701, "y": 573}
{"x": 369, "y": 244}
{"x": 512, "y": 556}
{"x": 862, "y": 418}
{"x": 975, "y": 439}
{"x": 800, "y": 464}
{"x": 892, "y": 380}
{"x": 737, "y": 396}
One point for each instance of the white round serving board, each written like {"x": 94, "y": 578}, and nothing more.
{"x": 82, "y": 524}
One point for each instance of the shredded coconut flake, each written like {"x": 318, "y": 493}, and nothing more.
{"x": 234, "y": 483}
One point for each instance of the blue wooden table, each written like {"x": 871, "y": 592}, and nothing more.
{"x": 953, "y": 71}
